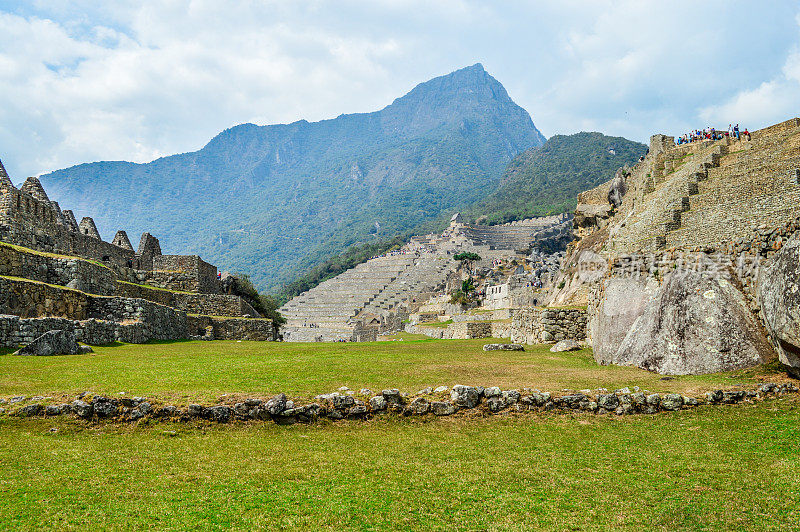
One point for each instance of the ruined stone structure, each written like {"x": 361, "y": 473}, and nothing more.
{"x": 58, "y": 274}
{"x": 670, "y": 267}
{"x": 537, "y": 325}
{"x": 376, "y": 296}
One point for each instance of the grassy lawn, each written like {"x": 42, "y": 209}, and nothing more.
{"x": 182, "y": 372}
{"x": 711, "y": 468}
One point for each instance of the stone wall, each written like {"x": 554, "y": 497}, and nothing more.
{"x": 709, "y": 193}
{"x": 207, "y": 304}
{"x": 16, "y": 331}
{"x": 232, "y": 328}
{"x": 513, "y": 294}
{"x": 31, "y": 299}
{"x": 160, "y": 296}
{"x": 145, "y": 319}
{"x": 188, "y": 273}
{"x": 214, "y": 305}
{"x": 71, "y": 272}
{"x": 464, "y": 330}
{"x": 34, "y": 222}
{"x": 537, "y": 325}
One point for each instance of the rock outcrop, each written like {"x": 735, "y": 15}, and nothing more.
{"x": 624, "y": 301}
{"x": 695, "y": 323}
{"x": 779, "y": 297}
{"x": 52, "y": 343}
{"x": 618, "y": 188}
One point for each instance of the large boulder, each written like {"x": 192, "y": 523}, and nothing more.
{"x": 623, "y": 300}
{"x": 54, "y": 343}
{"x": 698, "y": 322}
{"x": 779, "y": 297}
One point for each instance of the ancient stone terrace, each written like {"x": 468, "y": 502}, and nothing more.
{"x": 28, "y": 218}
{"x": 511, "y": 236}
{"x": 709, "y": 193}
{"x": 376, "y": 296}
{"x": 326, "y": 311}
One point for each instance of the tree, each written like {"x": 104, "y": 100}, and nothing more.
{"x": 466, "y": 294}
{"x": 263, "y": 304}
{"x": 467, "y": 258}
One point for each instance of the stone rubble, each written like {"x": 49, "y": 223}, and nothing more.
{"x": 504, "y": 347}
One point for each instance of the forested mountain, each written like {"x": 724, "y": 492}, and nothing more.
{"x": 547, "y": 179}
{"x": 540, "y": 181}
{"x": 274, "y": 200}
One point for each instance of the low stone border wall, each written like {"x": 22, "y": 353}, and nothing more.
{"x": 16, "y": 331}
{"x": 464, "y": 330}
{"x": 345, "y": 403}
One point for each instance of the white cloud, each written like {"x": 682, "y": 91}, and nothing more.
{"x": 83, "y": 81}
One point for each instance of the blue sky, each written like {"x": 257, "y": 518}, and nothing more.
{"x": 81, "y": 82}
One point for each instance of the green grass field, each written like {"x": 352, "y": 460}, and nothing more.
{"x": 203, "y": 371}
{"x": 712, "y": 468}
{"x": 709, "y": 468}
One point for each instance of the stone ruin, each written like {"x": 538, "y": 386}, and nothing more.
{"x": 57, "y": 274}
{"x": 688, "y": 261}
{"x": 377, "y": 296}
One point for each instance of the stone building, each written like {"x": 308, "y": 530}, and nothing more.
{"x": 57, "y": 273}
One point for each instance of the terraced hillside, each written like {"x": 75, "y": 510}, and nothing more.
{"x": 377, "y": 295}
{"x": 712, "y": 192}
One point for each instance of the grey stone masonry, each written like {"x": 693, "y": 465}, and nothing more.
{"x": 259, "y": 329}
{"x": 65, "y": 271}
{"x": 88, "y": 228}
{"x": 536, "y": 325}
{"x": 121, "y": 239}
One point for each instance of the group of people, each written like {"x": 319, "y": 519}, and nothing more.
{"x": 714, "y": 134}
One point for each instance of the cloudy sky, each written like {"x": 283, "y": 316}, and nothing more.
{"x": 138, "y": 80}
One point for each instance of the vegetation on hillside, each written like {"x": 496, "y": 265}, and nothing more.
{"x": 546, "y": 180}
{"x": 539, "y": 182}
{"x": 264, "y": 304}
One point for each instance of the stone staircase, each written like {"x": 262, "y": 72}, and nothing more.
{"x": 747, "y": 181}
{"x": 706, "y": 193}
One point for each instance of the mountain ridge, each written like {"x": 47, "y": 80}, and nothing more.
{"x": 269, "y": 200}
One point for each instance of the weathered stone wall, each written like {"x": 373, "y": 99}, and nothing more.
{"x": 36, "y": 223}
{"x": 709, "y": 193}
{"x": 207, "y": 304}
{"x": 537, "y": 325}
{"x": 499, "y": 314}
{"x": 187, "y": 273}
{"x": 260, "y": 329}
{"x": 157, "y": 322}
{"x": 31, "y": 299}
{"x": 16, "y": 331}
{"x": 464, "y": 330}
{"x": 162, "y": 297}
{"x": 214, "y": 305}
{"x": 65, "y": 271}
